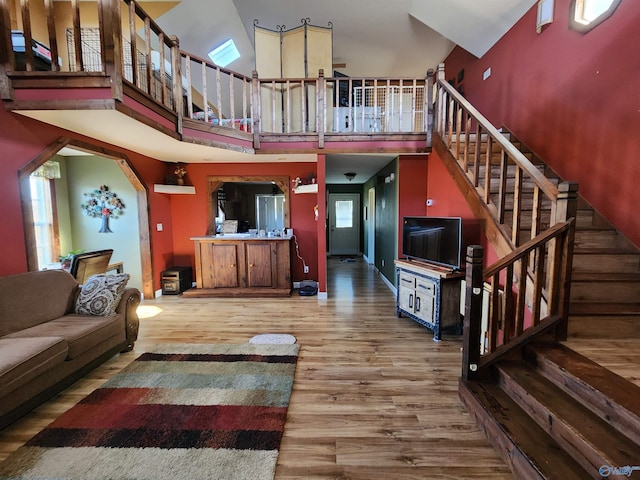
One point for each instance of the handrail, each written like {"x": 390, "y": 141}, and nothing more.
{"x": 516, "y": 155}
{"x": 519, "y": 305}
{"x": 510, "y": 181}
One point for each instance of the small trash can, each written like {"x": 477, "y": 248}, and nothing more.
{"x": 176, "y": 280}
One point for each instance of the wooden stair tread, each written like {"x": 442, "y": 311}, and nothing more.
{"x": 613, "y": 397}
{"x": 606, "y": 277}
{"x": 606, "y": 251}
{"x": 528, "y": 449}
{"x": 603, "y": 308}
{"x": 590, "y": 439}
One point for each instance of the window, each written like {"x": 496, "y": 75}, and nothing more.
{"x": 586, "y": 14}
{"x": 344, "y": 214}
{"x": 43, "y": 220}
{"x": 224, "y": 54}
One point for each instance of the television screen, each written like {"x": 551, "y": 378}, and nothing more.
{"x": 433, "y": 239}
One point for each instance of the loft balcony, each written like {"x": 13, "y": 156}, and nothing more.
{"x": 121, "y": 79}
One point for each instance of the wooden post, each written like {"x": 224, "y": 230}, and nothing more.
{"x": 7, "y": 61}
{"x": 256, "y": 114}
{"x": 320, "y": 107}
{"x": 472, "y": 312}
{"x": 111, "y": 38}
{"x": 176, "y": 81}
{"x": 566, "y": 208}
{"x": 428, "y": 108}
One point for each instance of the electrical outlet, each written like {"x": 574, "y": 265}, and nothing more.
{"x": 306, "y": 269}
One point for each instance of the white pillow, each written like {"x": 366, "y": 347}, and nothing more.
{"x": 101, "y": 294}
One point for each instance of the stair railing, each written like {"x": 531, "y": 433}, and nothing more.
{"x": 518, "y": 309}
{"x": 480, "y": 150}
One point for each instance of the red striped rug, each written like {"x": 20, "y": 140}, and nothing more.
{"x": 177, "y": 412}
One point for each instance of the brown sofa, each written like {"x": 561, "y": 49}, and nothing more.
{"x": 45, "y": 346}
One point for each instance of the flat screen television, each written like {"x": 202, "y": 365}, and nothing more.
{"x": 435, "y": 240}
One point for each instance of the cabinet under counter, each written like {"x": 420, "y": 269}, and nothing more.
{"x": 242, "y": 265}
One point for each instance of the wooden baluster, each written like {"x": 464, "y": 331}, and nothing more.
{"x": 467, "y": 141}
{"x": 205, "y": 93}
{"x": 476, "y": 156}
{"x": 459, "y": 113}
{"x": 162, "y": 70}
{"x": 7, "y": 59}
{"x": 320, "y": 108}
{"x": 256, "y": 109}
{"x": 147, "y": 54}
{"x": 508, "y": 318}
{"x": 472, "y": 327}
{"x": 387, "y": 107}
{"x": 502, "y": 193}
{"x": 187, "y": 59}
{"x": 134, "y": 45}
{"x": 538, "y": 284}
{"x": 273, "y": 108}
{"x": 487, "y": 170}
{"x": 517, "y": 207}
{"x": 287, "y": 108}
{"x": 219, "y": 96}
{"x": 522, "y": 296}
{"x": 375, "y": 101}
{"x": 51, "y": 30}
{"x": 452, "y": 110}
{"x": 494, "y": 312}
{"x": 244, "y": 105}
{"x": 303, "y": 106}
{"x": 232, "y": 103}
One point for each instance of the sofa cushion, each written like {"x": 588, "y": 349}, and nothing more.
{"x": 23, "y": 359}
{"x": 81, "y": 332}
{"x": 31, "y": 298}
{"x": 101, "y": 294}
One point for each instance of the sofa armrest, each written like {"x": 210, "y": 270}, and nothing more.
{"x": 127, "y": 308}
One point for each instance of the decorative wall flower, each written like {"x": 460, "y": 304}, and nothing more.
{"x": 103, "y": 203}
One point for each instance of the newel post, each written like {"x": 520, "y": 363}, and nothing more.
{"x": 428, "y": 98}
{"x": 176, "y": 76}
{"x": 471, "y": 333}
{"x": 256, "y": 110}
{"x": 321, "y": 107}
{"x": 111, "y": 38}
{"x": 441, "y": 107}
{"x": 566, "y": 208}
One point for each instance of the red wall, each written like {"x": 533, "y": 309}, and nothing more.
{"x": 571, "y": 97}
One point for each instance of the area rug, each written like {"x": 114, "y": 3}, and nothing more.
{"x": 179, "y": 411}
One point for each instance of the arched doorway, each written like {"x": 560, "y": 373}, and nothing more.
{"x": 140, "y": 209}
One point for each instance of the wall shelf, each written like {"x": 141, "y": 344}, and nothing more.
{"x": 312, "y": 188}
{"x": 174, "y": 189}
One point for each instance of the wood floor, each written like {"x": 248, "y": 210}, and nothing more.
{"x": 374, "y": 396}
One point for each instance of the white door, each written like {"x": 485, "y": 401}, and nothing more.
{"x": 344, "y": 223}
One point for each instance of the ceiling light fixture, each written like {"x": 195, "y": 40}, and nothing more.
{"x": 350, "y": 175}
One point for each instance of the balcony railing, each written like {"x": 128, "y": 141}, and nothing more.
{"x": 119, "y": 40}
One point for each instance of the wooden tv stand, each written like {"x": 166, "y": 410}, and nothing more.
{"x": 430, "y": 295}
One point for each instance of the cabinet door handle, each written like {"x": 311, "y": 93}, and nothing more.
{"x": 417, "y": 303}
{"x": 411, "y": 300}
{"x": 251, "y": 265}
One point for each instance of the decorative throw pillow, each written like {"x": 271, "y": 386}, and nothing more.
{"x": 101, "y": 294}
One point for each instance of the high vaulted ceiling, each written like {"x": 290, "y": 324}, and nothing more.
{"x": 371, "y": 38}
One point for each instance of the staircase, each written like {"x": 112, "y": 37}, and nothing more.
{"x": 554, "y": 414}
{"x": 605, "y": 287}
{"x": 550, "y": 412}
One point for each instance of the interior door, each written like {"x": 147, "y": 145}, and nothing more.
{"x": 344, "y": 223}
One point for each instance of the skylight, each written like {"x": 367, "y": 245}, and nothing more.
{"x": 224, "y": 54}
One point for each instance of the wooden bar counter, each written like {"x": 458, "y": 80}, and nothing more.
{"x": 242, "y": 265}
